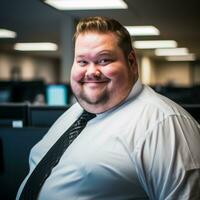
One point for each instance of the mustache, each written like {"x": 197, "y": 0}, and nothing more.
{"x": 95, "y": 79}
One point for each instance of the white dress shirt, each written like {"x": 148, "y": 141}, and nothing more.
{"x": 147, "y": 147}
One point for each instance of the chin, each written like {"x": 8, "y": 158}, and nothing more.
{"x": 90, "y": 101}
{"x": 94, "y": 108}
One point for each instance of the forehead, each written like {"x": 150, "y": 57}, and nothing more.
{"x": 94, "y": 33}
{"x": 95, "y": 41}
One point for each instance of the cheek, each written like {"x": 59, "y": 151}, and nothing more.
{"x": 76, "y": 76}
{"x": 114, "y": 73}
{"x": 77, "y": 73}
{"x": 109, "y": 72}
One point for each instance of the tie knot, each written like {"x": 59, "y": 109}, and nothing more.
{"x": 86, "y": 116}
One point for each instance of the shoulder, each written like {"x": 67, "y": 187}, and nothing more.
{"x": 167, "y": 149}
{"x": 154, "y": 108}
{"x": 162, "y": 124}
{"x": 168, "y": 130}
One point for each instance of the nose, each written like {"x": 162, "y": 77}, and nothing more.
{"x": 92, "y": 71}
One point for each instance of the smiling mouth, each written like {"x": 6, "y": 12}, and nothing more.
{"x": 94, "y": 81}
{"x": 105, "y": 81}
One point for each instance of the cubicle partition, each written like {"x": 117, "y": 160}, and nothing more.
{"x": 21, "y": 127}
{"x": 16, "y": 144}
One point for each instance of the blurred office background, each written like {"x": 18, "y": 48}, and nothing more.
{"x": 34, "y": 80}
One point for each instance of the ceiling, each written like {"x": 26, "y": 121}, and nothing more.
{"x": 35, "y": 21}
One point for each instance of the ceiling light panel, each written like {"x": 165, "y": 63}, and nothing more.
{"x": 189, "y": 57}
{"x": 154, "y": 44}
{"x": 142, "y": 30}
{"x": 4, "y": 33}
{"x": 87, "y": 4}
{"x": 171, "y": 52}
{"x": 40, "y": 46}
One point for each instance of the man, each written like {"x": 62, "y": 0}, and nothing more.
{"x": 140, "y": 145}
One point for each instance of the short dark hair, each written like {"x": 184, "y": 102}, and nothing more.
{"x": 104, "y": 25}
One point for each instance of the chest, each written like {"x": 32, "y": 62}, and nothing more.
{"x": 98, "y": 162}
{"x": 95, "y": 169}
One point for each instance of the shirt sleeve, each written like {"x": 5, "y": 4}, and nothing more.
{"x": 168, "y": 160}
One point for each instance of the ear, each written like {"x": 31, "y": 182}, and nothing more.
{"x": 132, "y": 61}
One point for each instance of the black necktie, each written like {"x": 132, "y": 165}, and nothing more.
{"x": 52, "y": 157}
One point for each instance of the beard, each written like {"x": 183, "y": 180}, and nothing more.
{"x": 100, "y": 99}
{"x": 89, "y": 96}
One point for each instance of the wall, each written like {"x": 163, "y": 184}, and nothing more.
{"x": 27, "y": 68}
{"x": 147, "y": 71}
{"x": 176, "y": 73}
{"x": 154, "y": 72}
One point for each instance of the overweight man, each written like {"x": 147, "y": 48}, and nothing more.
{"x": 136, "y": 143}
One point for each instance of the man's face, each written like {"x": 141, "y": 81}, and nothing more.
{"x": 101, "y": 76}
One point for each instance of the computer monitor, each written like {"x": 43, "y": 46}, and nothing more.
{"x": 27, "y": 91}
{"x": 57, "y": 94}
{"x": 13, "y": 115}
{"x": 21, "y": 91}
{"x": 5, "y": 91}
{"x": 44, "y": 116}
{"x": 5, "y": 95}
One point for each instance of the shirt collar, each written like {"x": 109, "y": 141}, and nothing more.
{"x": 136, "y": 89}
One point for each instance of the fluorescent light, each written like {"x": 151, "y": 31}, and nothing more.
{"x": 4, "y": 33}
{"x": 189, "y": 57}
{"x": 40, "y": 46}
{"x": 142, "y": 30}
{"x": 171, "y": 52}
{"x": 153, "y": 44}
{"x": 87, "y": 4}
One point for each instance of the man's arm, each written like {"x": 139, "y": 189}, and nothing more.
{"x": 168, "y": 160}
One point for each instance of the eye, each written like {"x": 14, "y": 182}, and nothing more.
{"x": 104, "y": 61}
{"x": 82, "y": 63}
